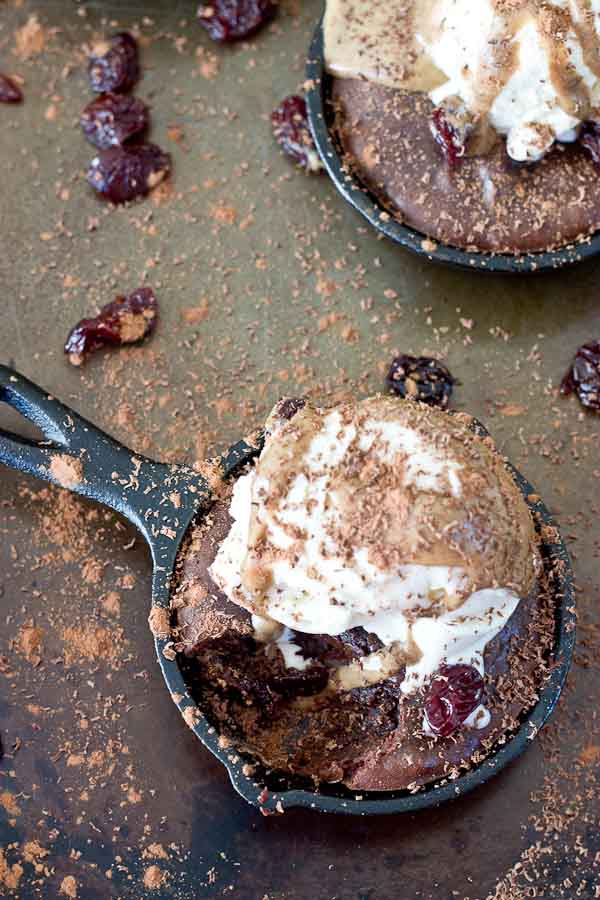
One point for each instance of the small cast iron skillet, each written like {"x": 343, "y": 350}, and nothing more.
{"x": 320, "y": 113}
{"x": 161, "y": 501}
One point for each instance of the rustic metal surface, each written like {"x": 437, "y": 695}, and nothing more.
{"x": 290, "y": 293}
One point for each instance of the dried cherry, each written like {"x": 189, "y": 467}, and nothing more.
{"x": 421, "y": 378}
{"x": 10, "y": 92}
{"x": 453, "y": 695}
{"x": 583, "y": 376}
{"x": 287, "y": 408}
{"x": 126, "y": 320}
{"x": 113, "y": 64}
{"x": 231, "y": 20}
{"x": 449, "y": 137}
{"x": 292, "y": 133}
{"x": 112, "y": 119}
{"x": 124, "y": 173}
{"x": 589, "y": 138}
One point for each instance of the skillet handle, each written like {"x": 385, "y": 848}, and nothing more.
{"x": 159, "y": 499}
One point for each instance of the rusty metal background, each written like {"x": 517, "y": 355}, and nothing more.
{"x": 268, "y": 284}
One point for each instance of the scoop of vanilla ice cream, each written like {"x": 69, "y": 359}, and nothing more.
{"x": 386, "y": 515}
{"x": 528, "y": 68}
{"x": 532, "y": 91}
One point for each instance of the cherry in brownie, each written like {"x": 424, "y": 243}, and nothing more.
{"x": 232, "y": 20}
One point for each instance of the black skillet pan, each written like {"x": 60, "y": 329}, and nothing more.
{"x": 161, "y": 501}
{"x": 320, "y": 113}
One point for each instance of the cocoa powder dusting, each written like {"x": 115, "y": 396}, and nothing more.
{"x": 269, "y": 288}
{"x": 66, "y": 471}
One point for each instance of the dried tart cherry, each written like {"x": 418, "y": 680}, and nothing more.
{"x": 112, "y": 119}
{"x": 113, "y": 64}
{"x": 125, "y": 173}
{"x": 126, "y": 320}
{"x": 421, "y": 378}
{"x": 292, "y": 133}
{"x": 583, "y": 376}
{"x": 232, "y": 20}
{"x": 454, "y": 693}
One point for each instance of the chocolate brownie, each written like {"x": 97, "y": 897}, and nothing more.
{"x": 369, "y": 738}
{"x": 488, "y": 202}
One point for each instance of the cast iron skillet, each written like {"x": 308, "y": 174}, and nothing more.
{"x": 320, "y": 115}
{"x": 161, "y": 501}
